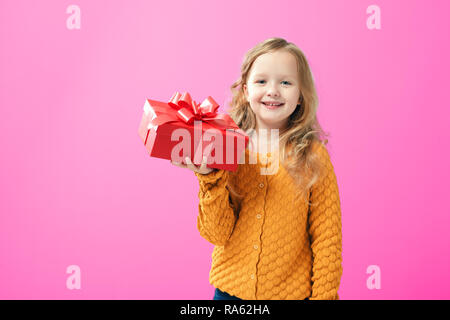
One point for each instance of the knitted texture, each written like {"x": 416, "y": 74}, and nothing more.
{"x": 272, "y": 245}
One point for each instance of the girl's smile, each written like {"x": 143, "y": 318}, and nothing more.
{"x": 272, "y": 106}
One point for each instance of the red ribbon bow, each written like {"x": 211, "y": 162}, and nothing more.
{"x": 188, "y": 110}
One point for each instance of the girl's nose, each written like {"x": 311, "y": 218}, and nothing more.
{"x": 272, "y": 90}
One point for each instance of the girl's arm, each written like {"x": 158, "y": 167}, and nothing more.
{"x": 216, "y": 218}
{"x": 325, "y": 233}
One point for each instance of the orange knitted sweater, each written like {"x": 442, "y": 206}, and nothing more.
{"x": 275, "y": 246}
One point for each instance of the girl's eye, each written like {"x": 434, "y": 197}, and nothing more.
{"x": 287, "y": 82}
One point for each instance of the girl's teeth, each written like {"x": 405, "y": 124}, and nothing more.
{"x": 267, "y": 104}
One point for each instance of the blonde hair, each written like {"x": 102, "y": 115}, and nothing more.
{"x": 303, "y": 130}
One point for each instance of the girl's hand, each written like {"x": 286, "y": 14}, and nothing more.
{"x": 189, "y": 165}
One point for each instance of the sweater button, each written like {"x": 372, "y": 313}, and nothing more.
{"x": 258, "y": 216}
{"x": 255, "y": 247}
{"x": 261, "y": 185}
{"x": 252, "y": 276}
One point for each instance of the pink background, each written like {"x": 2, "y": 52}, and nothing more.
{"x": 78, "y": 188}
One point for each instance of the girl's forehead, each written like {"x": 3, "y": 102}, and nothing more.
{"x": 279, "y": 63}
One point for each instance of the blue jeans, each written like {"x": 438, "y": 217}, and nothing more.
{"x": 220, "y": 295}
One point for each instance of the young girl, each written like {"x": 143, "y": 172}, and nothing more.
{"x": 277, "y": 236}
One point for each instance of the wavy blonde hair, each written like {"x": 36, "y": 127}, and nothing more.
{"x": 303, "y": 130}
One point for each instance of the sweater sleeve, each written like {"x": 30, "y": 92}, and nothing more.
{"x": 216, "y": 216}
{"x": 324, "y": 222}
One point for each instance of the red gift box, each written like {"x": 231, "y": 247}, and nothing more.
{"x": 183, "y": 128}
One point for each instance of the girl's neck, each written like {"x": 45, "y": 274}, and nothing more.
{"x": 265, "y": 141}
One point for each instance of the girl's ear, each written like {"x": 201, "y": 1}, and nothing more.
{"x": 244, "y": 87}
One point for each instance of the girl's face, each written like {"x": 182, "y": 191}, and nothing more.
{"x": 273, "y": 78}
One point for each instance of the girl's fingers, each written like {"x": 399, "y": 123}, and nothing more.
{"x": 190, "y": 165}
{"x": 178, "y": 164}
{"x": 204, "y": 162}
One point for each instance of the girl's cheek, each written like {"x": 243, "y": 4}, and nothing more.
{"x": 257, "y": 96}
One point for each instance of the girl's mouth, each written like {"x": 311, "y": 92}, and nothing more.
{"x": 271, "y": 106}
